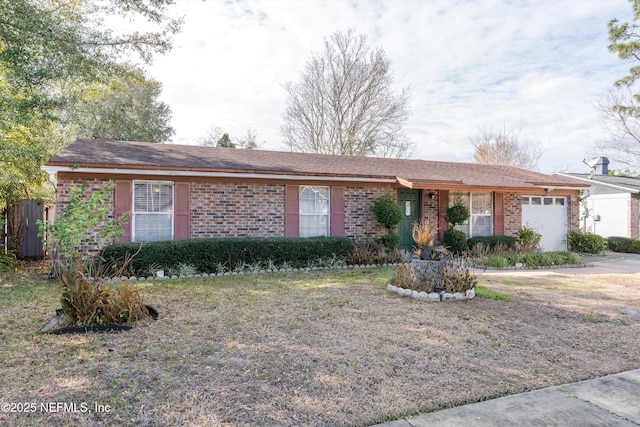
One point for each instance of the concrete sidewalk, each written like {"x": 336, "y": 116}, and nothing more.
{"x": 613, "y": 400}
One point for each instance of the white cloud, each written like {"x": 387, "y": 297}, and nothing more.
{"x": 536, "y": 66}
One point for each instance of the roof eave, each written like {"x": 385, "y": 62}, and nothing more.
{"x": 591, "y": 182}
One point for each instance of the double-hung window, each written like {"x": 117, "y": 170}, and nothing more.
{"x": 480, "y": 222}
{"x": 152, "y": 211}
{"x": 314, "y": 211}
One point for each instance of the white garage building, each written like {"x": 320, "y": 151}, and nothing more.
{"x": 611, "y": 205}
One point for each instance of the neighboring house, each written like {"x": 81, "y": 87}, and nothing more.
{"x": 611, "y": 204}
{"x": 180, "y": 192}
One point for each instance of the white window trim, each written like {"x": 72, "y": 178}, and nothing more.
{"x": 328, "y": 214}
{"x": 468, "y": 223}
{"x": 133, "y": 206}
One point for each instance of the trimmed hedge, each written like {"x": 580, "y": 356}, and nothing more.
{"x": 454, "y": 240}
{"x": 206, "y": 254}
{"x": 585, "y": 242}
{"x": 620, "y": 244}
{"x": 624, "y": 244}
{"x": 531, "y": 260}
{"x": 491, "y": 241}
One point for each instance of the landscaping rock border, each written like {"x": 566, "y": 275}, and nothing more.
{"x": 433, "y": 296}
{"x": 542, "y": 267}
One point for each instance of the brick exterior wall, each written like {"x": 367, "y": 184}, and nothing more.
{"x": 573, "y": 211}
{"x": 634, "y": 216}
{"x": 512, "y": 213}
{"x": 63, "y": 197}
{"x": 237, "y": 210}
{"x": 429, "y": 205}
{"x": 359, "y": 223}
{"x": 253, "y": 209}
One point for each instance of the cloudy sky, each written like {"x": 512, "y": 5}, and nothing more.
{"x": 535, "y": 66}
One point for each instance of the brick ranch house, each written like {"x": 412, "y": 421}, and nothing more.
{"x": 181, "y": 192}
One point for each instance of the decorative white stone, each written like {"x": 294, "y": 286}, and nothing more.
{"x": 422, "y": 296}
{"x": 226, "y": 273}
{"x": 146, "y": 278}
{"x": 414, "y": 294}
{"x": 174, "y": 277}
{"x": 448, "y": 297}
{"x": 391, "y": 288}
{"x": 433, "y": 296}
{"x": 458, "y": 296}
{"x": 471, "y": 293}
{"x": 406, "y": 292}
{"x": 197, "y": 275}
{"x": 133, "y": 278}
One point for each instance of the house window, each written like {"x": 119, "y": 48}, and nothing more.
{"x": 480, "y": 222}
{"x": 314, "y": 211}
{"x": 152, "y": 211}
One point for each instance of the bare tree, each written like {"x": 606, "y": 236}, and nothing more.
{"x": 344, "y": 103}
{"x": 503, "y": 147}
{"x": 621, "y": 112}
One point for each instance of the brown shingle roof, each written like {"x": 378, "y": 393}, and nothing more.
{"x": 142, "y": 155}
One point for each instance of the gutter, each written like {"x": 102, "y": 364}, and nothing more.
{"x": 594, "y": 182}
{"x": 53, "y": 171}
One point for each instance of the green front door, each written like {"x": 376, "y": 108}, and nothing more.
{"x": 409, "y": 201}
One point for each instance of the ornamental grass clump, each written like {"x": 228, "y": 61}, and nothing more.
{"x": 457, "y": 275}
{"x": 405, "y": 277}
{"x": 423, "y": 232}
{"x": 88, "y": 302}
{"x": 86, "y": 297}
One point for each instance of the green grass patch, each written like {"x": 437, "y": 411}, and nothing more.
{"x": 484, "y": 292}
{"x": 512, "y": 282}
{"x": 593, "y": 319}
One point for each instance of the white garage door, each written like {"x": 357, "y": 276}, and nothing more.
{"x": 548, "y": 216}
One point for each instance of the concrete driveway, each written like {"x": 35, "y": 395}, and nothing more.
{"x": 609, "y": 263}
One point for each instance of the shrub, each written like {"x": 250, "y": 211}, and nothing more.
{"x": 585, "y": 242}
{"x": 619, "y": 244}
{"x": 635, "y": 247}
{"x": 206, "y": 255}
{"x": 492, "y": 241}
{"x": 454, "y": 240}
{"x": 391, "y": 240}
{"x": 496, "y": 261}
{"x": 364, "y": 253}
{"x": 570, "y": 258}
{"x": 457, "y": 214}
{"x": 387, "y": 211}
{"x": 7, "y": 261}
{"x": 528, "y": 240}
{"x": 86, "y": 219}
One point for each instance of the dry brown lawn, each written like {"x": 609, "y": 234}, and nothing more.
{"x": 321, "y": 349}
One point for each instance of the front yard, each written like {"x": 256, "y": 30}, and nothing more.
{"x": 319, "y": 348}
